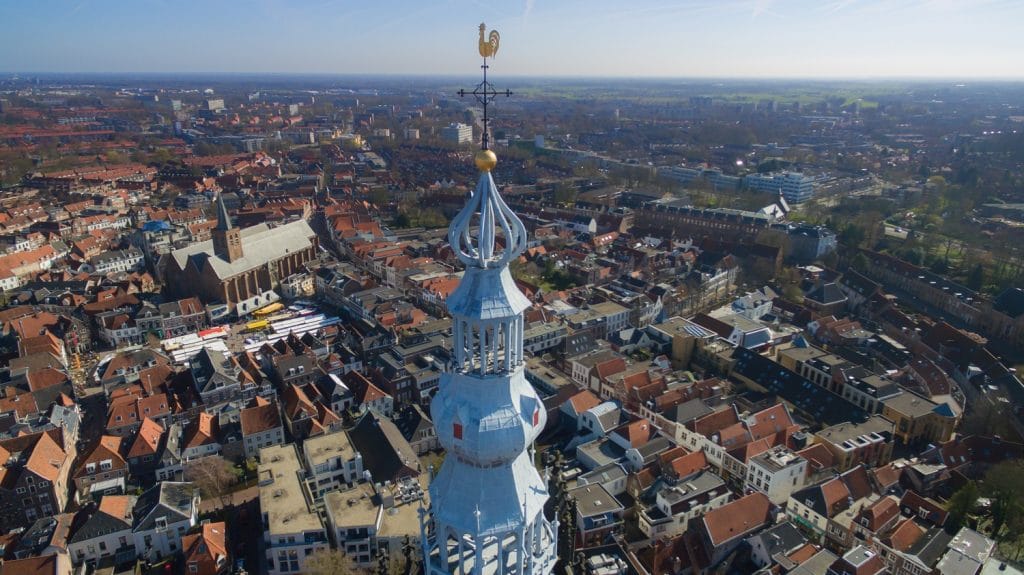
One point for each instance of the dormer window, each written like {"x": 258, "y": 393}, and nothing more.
{"x": 90, "y": 467}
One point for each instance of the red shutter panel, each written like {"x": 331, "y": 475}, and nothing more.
{"x": 457, "y": 430}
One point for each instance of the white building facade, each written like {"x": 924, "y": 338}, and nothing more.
{"x": 777, "y": 473}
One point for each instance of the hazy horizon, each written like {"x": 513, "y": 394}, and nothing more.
{"x": 853, "y": 40}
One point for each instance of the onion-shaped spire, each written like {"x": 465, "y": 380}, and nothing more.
{"x": 484, "y": 214}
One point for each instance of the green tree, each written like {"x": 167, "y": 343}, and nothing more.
{"x": 976, "y": 277}
{"x": 962, "y": 503}
{"x": 985, "y": 418}
{"x": 1002, "y": 488}
{"x": 161, "y": 156}
{"x": 913, "y": 256}
{"x": 378, "y": 196}
{"x": 860, "y": 262}
{"x": 564, "y": 194}
{"x": 852, "y": 235}
{"x": 274, "y": 146}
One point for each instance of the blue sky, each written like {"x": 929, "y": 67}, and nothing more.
{"x": 686, "y": 38}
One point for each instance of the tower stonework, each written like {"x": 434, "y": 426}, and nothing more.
{"x": 227, "y": 239}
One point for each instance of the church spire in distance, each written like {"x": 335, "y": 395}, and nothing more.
{"x": 486, "y": 514}
{"x": 227, "y": 239}
{"x": 223, "y": 219}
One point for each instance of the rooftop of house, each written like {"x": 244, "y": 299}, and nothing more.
{"x": 604, "y": 474}
{"x": 698, "y": 484}
{"x": 260, "y": 418}
{"x": 281, "y": 493}
{"x": 874, "y": 429}
{"x": 910, "y": 404}
{"x": 738, "y": 518}
{"x": 819, "y": 403}
{"x": 355, "y": 507}
{"x": 593, "y": 500}
{"x": 322, "y": 448}
{"x": 777, "y": 459}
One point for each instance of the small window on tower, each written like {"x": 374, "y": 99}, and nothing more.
{"x": 457, "y": 430}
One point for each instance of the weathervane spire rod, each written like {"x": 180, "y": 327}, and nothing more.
{"x": 484, "y": 92}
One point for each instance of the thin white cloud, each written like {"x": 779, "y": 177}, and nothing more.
{"x": 527, "y": 9}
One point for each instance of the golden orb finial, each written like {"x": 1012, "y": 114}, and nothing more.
{"x": 485, "y": 160}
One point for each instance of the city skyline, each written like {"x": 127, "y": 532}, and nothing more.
{"x": 968, "y": 39}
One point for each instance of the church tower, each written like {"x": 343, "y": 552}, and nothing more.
{"x": 227, "y": 239}
{"x": 486, "y": 514}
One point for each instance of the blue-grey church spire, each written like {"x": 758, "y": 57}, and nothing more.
{"x": 486, "y": 515}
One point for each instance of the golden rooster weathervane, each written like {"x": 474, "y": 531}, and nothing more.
{"x": 489, "y": 47}
{"x": 484, "y": 91}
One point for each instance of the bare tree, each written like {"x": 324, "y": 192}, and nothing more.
{"x": 332, "y": 562}
{"x": 214, "y": 476}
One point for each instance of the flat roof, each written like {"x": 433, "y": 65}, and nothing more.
{"x": 778, "y": 458}
{"x": 608, "y": 472}
{"x": 846, "y": 431}
{"x": 802, "y": 353}
{"x": 602, "y": 451}
{"x": 608, "y": 308}
{"x": 545, "y": 374}
{"x": 679, "y": 325}
{"x": 594, "y": 499}
{"x": 403, "y": 518}
{"x": 322, "y": 448}
{"x": 354, "y": 508}
{"x": 910, "y": 404}
{"x": 701, "y": 483}
{"x": 281, "y": 493}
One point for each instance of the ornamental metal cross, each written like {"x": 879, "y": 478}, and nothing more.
{"x": 484, "y": 92}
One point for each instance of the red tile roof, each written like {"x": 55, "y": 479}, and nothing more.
{"x": 738, "y": 518}
{"x": 886, "y": 477}
{"x": 108, "y": 447}
{"x": 716, "y": 421}
{"x": 919, "y": 506}
{"x": 117, "y": 506}
{"x": 207, "y": 550}
{"x": 606, "y": 369}
{"x": 905, "y": 535}
{"x": 689, "y": 464}
{"x": 583, "y": 401}
{"x": 46, "y": 457}
{"x": 818, "y": 456}
{"x": 147, "y": 441}
{"x": 835, "y": 495}
{"x": 636, "y": 433}
{"x": 260, "y": 418}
